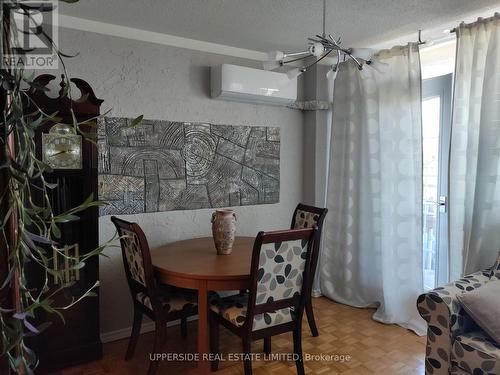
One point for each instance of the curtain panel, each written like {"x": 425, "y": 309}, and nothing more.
{"x": 475, "y": 149}
{"x": 373, "y": 236}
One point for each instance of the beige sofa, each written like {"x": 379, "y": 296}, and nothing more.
{"x": 455, "y": 344}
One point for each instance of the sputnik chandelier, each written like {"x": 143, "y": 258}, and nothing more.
{"x": 319, "y": 48}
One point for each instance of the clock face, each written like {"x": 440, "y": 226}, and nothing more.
{"x": 62, "y": 151}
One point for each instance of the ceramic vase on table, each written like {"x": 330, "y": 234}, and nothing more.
{"x": 223, "y": 230}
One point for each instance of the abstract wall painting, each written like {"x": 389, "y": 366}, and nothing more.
{"x": 164, "y": 165}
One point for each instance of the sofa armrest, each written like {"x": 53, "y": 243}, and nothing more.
{"x": 495, "y": 270}
{"x": 442, "y": 312}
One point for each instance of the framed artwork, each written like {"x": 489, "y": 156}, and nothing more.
{"x": 163, "y": 165}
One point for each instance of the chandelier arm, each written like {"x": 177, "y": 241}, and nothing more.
{"x": 347, "y": 53}
{"x": 338, "y": 48}
{"x": 358, "y": 63}
{"x": 297, "y": 59}
{"x": 322, "y": 38}
{"x": 337, "y": 42}
{"x": 296, "y": 54}
{"x": 332, "y": 42}
{"x": 334, "y": 46}
{"x": 315, "y": 40}
{"x": 317, "y": 61}
{"x": 338, "y": 60}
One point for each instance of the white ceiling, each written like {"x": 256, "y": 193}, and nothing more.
{"x": 264, "y": 25}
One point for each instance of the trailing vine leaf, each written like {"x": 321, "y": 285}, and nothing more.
{"x": 37, "y": 238}
{"x": 6, "y": 283}
{"x": 38, "y": 230}
{"x": 30, "y": 326}
{"x": 48, "y": 185}
{"x": 66, "y": 218}
{"x": 55, "y": 230}
{"x": 137, "y": 121}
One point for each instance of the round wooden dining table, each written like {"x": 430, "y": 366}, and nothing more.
{"x": 194, "y": 264}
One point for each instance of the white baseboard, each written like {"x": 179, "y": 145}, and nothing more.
{"x": 146, "y": 327}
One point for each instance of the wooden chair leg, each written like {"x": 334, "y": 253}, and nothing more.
{"x": 297, "y": 349}
{"x": 134, "y": 336}
{"x": 247, "y": 362}
{"x": 184, "y": 327}
{"x": 214, "y": 342}
{"x": 310, "y": 317}
{"x": 160, "y": 336}
{"x": 267, "y": 345}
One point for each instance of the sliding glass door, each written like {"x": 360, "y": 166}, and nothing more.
{"x": 436, "y": 124}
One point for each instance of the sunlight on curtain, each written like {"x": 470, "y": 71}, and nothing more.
{"x": 475, "y": 150}
{"x": 373, "y": 234}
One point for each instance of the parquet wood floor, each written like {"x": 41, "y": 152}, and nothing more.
{"x": 374, "y": 348}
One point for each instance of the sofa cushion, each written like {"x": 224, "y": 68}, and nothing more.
{"x": 475, "y": 353}
{"x": 446, "y": 319}
{"x": 483, "y": 306}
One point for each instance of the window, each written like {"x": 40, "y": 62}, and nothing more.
{"x": 437, "y": 73}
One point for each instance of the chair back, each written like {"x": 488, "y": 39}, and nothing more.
{"x": 306, "y": 216}
{"x": 136, "y": 256}
{"x": 280, "y": 272}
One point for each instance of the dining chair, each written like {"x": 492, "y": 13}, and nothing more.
{"x": 275, "y": 301}
{"x": 159, "y": 302}
{"x": 306, "y": 216}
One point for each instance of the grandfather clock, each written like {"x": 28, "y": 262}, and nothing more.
{"x": 74, "y": 162}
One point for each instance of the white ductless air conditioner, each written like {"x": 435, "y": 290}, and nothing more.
{"x": 239, "y": 83}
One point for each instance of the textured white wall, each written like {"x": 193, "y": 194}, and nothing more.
{"x": 174, "y": 84}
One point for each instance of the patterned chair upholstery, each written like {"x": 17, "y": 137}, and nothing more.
{"x": 280, "y": 276}
{"x": 455, "y": 344}
{"x": 275, "y": 301}
{"x": 169, "y": 298}
{"x": 305, "y": 219}
{"x": 161, "y": 303}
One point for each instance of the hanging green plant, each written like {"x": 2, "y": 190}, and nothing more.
{"x": 29, "y": 227}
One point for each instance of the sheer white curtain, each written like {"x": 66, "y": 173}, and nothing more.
{"x": 373, "y": 234}
{"x": 475, "y": 149}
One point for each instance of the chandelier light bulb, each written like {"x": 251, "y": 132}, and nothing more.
{"x": 275, "y": 55}
{"x": 271, "y": 65}
{"x": 317, "y": 49}
{"x": 332, "y": 74}
{"x": 379, "y": 66}
{"x": 294, "y": 73}
{"x": 362, "y": 53}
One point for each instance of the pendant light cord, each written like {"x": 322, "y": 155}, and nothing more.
{"x": 324, "y": 18}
